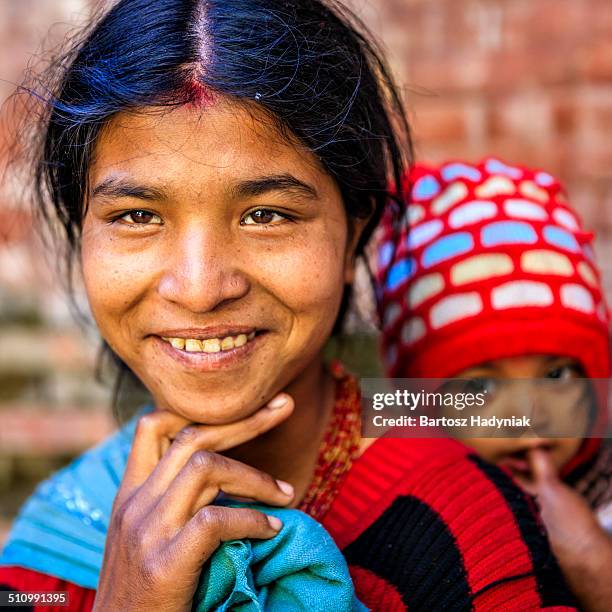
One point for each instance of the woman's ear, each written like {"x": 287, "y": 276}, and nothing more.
{"x": 356, "y": 228}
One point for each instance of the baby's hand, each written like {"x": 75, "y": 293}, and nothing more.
{"x": 582, "y": 547}
{"x": 571, "y": 524}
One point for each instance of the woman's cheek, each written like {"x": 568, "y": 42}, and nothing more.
{"x": 115, "y": 280}
{"x": 308, "y": 279}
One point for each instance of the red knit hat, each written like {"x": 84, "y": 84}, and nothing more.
{"x": 489, "y": 261}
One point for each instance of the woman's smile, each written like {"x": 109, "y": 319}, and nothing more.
{"x": 201, "y": 350}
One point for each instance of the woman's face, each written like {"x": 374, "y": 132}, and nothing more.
{"x": 214, "y": 255}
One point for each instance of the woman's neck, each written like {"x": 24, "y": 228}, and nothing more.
{"x": 290, "y": 451}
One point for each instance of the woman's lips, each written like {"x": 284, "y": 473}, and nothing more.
{"x": 208, "y": 354}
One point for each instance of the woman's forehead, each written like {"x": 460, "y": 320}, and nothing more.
{"x": 224, "y": 141}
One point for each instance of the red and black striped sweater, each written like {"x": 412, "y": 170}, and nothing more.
{"x": 424, "y": 525}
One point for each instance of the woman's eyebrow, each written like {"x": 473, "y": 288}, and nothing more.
{"x": 114, "y": 187}
{"x": 266, "y": 184}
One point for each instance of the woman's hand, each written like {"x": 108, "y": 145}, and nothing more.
{"x": 163, "y": 527}
{"x": 582, "y": 547}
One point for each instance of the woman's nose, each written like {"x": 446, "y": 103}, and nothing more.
{"x": 202, "y": 271}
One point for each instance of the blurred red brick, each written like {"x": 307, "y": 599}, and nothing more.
{"x": 596, "y": 60}
{"x": 440, "y": 121}
{"x": 564, "y": 111}
{"x": 36, "y": 430}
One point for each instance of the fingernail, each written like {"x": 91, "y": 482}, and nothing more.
{"x": 285, "y": 487}
{"x": 274, "y": 522}
{"x": 278, "y": 402}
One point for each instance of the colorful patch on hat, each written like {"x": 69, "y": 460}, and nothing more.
{"x": 400, "y": 272}
{"x": 566, "y": 219}
{"x": 472, "y": 212}
{"x": 578, "y": 298}
{"x": 454, "y": 308}
{"x": 494, "y": 166}
{"x": 480, "y": 267}
{"x": 530, "y": 190}
{"x": 447, "y": 247}
{"x": 391, "y": 354}
{"x": 544, "y": 179}
{"x": 560, "y": 238}
{"x": 392, "y": 313}
{"x": 452, "y": 195}
{"x": 589, "y": 253}
{"x": 413, "y": 330}
{"x": 508, "y": 232}
{"x": 424, "y": 233}
{"x": 515, "y": 294}
{"x": 524, "y": 209}
{"x": 495, "y": 186}
{"x": 425, "y": 188}
{"x": 543, "y": 261}
{"x": 415, "y": 214}
{"x": 424, "y": 288}
{"x": 587, "y": 274}
{"x": 385, "y": 254}
{"x": 454, "y": 171}
{"x": 602, "y": 312}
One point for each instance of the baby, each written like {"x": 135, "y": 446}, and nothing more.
{"x": 490, "y": 279}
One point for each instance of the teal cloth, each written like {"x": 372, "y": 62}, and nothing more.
{"x": 299, "y": 569}
{"x": 61, "y": 531}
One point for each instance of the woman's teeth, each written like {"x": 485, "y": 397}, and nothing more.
{"x": 210, "y": 345}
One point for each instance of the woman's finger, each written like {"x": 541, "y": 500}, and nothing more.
{"x": 194, "y": 437}
{"x": 151, "y": 440}
{"x": 202, "y": 535}
{"x": 205, "y": 475}
{"x": 219, "y": 438}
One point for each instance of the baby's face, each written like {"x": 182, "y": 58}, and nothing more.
{"x": 512, "y": 452}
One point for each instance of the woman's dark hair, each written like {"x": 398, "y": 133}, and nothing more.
{"x": 310, "y": 65}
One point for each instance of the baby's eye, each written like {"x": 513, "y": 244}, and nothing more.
{"x": 565, "y": 372}
{"x": 141, "y": 217}
{"x": 262, "y": 216}
{"x": 480, "y": 384}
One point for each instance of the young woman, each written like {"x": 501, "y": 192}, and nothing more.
{"x": 216, "y": 168}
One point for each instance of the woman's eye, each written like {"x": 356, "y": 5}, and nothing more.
{"x": 140, "y": 217}
{"x": 263, "y": 216}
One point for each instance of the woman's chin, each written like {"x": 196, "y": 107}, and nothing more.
{"x": 210, "y": 408}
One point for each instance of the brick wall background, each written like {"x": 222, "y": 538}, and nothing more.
{"x": 527, "y": 80}
{"x": 50, "y": 405}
